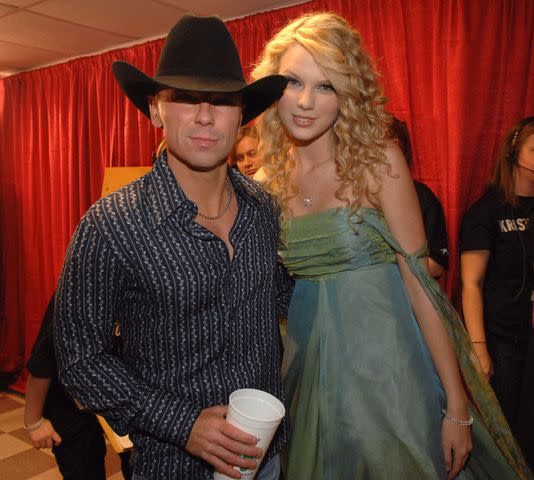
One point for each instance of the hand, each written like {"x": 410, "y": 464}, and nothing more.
{"x": 45, "y": 436}
{"x": 220, "y": 444}
{"x": 484, "y": 357}
{"x": 456, "y": 442}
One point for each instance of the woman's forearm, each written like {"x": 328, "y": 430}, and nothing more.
{"x": 36, "y": 391}
{"x": 438, "y": 343}
{"x": 473, "y": 309}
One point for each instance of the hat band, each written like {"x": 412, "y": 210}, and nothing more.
{"x": 201, "y": 84}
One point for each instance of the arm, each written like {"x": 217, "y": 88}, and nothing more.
{"x": 473, "y": 270}
{"x": 434, "y": 268}
{"x": 401, "y": 210}
{"x": 36, "y": 390}
{"x": 42, "y": 368}
{"x": 87, "y": 304}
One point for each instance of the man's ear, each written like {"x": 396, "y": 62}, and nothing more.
{"x": 154, "y": 112}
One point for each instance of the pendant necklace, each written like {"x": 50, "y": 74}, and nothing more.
{"x": 225, "y": 208}
{"x": 308, "y": 202}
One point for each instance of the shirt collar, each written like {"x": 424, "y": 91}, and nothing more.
{"x": 165, "y": 195}
{"x": 248, "y": 189}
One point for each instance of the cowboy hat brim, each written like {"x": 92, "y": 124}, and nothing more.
{"x": 257, "y": 96}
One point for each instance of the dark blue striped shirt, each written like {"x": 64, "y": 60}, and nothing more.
{"x": 195, "y": 324}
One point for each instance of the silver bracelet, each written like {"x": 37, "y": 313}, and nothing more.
{"x": 463, "y": 423}
{"x": 35, "y": 426}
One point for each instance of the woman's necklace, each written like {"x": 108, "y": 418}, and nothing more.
{"x": 308, "y": 202}
{"x": 225, "y": 208}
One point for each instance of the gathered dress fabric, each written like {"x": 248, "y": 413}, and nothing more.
{"x": 364, "y": 397}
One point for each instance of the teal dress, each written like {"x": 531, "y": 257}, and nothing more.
{"x": 365, "y": 400}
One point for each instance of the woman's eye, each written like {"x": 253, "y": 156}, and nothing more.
{"x": 327, "y": 87}
{"x": 292, "y": 81}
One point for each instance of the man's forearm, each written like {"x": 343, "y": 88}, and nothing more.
{"x": 102, "y": 384}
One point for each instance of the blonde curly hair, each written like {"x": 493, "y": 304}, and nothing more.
{"x": 361, "y": 129}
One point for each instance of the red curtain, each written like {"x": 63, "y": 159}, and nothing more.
{"x": 458, "y": 71}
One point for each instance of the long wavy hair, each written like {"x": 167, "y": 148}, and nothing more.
{"x": 503, "y": 175}
{"x": 360, "y": 130}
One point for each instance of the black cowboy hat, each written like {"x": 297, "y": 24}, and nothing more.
{"x": 199, "y": 54}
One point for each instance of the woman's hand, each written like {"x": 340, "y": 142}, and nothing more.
{"x": 45, "y": 436}
{"x": 456, "y": 441}
{"x": 484, "y": 358}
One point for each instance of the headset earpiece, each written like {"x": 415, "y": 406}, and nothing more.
{"x": 515, "y": 136}
{"x": 512, "y": 153}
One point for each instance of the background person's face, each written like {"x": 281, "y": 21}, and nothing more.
{"x": 200, "y": 128}
{"x": 246, "y": 156}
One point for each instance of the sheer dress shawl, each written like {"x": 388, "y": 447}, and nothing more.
{"x": 480, "y": 391}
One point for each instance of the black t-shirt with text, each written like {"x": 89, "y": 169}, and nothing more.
{"x": 494, "y": 225}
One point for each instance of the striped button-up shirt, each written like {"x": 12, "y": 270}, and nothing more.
{"x": 196, "y": 324}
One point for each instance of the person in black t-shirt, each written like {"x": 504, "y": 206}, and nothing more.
{"x": 435, "y": 229}
{"x": 497, "y": 256}
{"x": 431, "y": 209}
{"x": 52, "y": 419}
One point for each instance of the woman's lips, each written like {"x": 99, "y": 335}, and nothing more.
{"x": 301, "y": 121}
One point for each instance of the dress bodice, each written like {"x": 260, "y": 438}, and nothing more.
{"x": 332, "y": 241}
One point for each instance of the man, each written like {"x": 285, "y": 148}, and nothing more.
{"x": 184, "y": 259}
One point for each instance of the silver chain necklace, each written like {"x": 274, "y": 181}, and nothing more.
{"x": 225, "y": 208}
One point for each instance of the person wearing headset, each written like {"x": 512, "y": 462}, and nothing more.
{"x": 497, "y": 255}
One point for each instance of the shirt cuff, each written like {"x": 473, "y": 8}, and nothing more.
{"x": 167, "y": 417}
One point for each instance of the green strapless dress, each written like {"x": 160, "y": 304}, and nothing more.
{"x": 365, "y": 400}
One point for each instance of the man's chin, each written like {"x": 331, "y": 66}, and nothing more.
{"x": 200, "y": 163}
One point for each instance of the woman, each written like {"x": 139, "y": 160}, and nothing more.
{"x": 245, "y": 153}
{"x": 497, "y": 275}
{"x": 53, "y": 420}
{"x": 366, "y": 382}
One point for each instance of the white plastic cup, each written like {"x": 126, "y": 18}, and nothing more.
{"x": 258, "y": 413}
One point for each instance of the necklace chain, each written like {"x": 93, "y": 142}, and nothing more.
{"x": 225, "y": 208}
{"x": 308, "y": 202}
